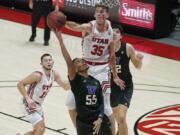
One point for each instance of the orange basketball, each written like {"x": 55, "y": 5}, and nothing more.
{"x": 56, "y": 20}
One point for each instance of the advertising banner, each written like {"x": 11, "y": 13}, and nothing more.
{"x": 137, "y": 14}
{"x": 85, "y": 8}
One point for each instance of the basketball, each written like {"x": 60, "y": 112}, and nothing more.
{"x": 56, "y": 20}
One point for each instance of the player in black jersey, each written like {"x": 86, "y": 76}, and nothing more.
{"x": 87, "y": 91}
{"x": 120, "y": 99}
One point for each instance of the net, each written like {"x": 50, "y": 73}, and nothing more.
{"x": 111, "y": 3}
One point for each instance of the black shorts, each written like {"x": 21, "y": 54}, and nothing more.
{"x": 122, "y": 97}
{"x": 84, "y": 128}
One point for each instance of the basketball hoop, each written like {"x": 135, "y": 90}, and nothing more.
{"x": 111, "y": 3}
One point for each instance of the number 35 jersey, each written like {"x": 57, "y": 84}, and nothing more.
{"x": 96, "y": 45}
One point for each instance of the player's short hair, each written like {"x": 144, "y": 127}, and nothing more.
{"x": 44, "y": 55}
{"x": 118, "y": 26}
{"x": 102, "y": 5}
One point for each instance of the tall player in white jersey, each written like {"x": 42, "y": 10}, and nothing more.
{"x": 39, "y": 84}
{"x": 99, "y": 53}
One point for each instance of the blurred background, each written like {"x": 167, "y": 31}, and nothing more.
{"x": 148, "y": 18}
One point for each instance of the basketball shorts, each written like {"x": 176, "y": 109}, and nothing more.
{"x": 70, "y": 102}
{"x": 33, "y": 116}
{"x": 102, "y": 74}
{"x": 84, "y": 128}
{"x": 121, "y": 97}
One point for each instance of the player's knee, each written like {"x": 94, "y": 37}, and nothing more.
{"x": 40, "y": 128}
{"x": 121, "y": 118}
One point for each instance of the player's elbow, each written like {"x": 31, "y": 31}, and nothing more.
{"x": 20, "y": 84}
{"x": 138, "y": 66}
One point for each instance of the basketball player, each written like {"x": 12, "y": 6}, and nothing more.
{"x": 87, "y": 91}
{"x": 98, "y": 53}
{"x": 39, "y": 83}
{"x": 41, "y": 8}
{"x": 120, "y": 98}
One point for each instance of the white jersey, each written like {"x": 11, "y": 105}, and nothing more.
{"x": 38, "y": 91}
{"x": 96, "y": 45}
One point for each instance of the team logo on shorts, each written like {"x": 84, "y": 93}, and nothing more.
{"x": 162, "y": 121}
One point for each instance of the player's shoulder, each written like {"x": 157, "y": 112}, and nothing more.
{"x": 37, "y": 73}
{"x": 56, "y": 74}
{"x": 129, "y": 49}
{"x": 129, "y": 46}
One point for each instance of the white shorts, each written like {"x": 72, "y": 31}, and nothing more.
{"x": 102, "y": 74}
{"x": 70, "y": 102}
{"x": 35, "y": 116}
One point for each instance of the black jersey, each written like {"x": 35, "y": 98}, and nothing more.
{"x": 122, "y": 64}
{"x": 88, "y": 97}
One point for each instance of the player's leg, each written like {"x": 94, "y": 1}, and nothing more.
{"x": 36, "y": 14}
{"x": 120, "y": 108}
{"x": 84, "y": 128}
{"x": 36, "y": 119}
{"x": 108, "y": 111}
{"x": 120, "y": 116}
{"x": 29, "y": 133}
{"x": 47, "y": 29}
{"x": 70, "y": 103}
{"x": 73, "y": 114}
{"x": 39, "y": 128}
{"x": 105, "y": 127}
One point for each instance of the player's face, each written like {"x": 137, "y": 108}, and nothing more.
{"x": 81, "y": 65}
{"x": 47, "y": 62}
{"x": 116, "y": 34}
{"x": 100, "y": 14}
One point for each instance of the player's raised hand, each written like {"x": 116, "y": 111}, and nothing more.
{"x": 31, "y": 4}
{"x": 57, "y": 8}
{"x": 119, "y": 82}
{"x": 97, "y": 125}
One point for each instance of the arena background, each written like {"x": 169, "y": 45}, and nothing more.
{"x": 148, "y": 18}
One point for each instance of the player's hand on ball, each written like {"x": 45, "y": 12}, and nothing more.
{"x": 97, "y": 125}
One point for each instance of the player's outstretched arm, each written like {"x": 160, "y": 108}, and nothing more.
{"x": 85, "y": 27}
{"x": 112, "y": 63}
{"x": 136, "y": 58}
{"x": 64, "y": 84}
{"x": 70, "y": 64}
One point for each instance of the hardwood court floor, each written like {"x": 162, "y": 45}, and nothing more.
{"x": 157, "y": 84}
